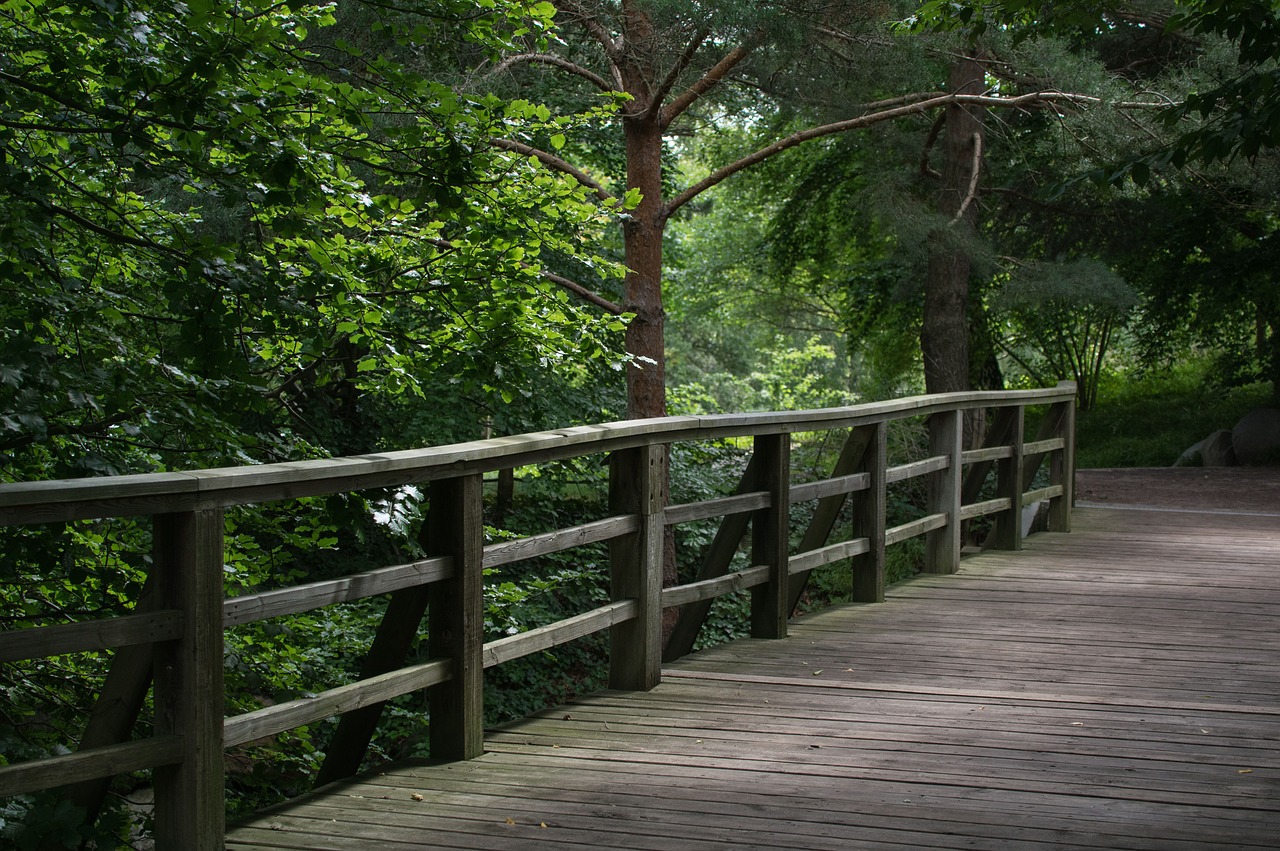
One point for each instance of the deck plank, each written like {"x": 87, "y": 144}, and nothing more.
{"x": 1115, "y": 687}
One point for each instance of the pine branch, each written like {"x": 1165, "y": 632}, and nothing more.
{"x": 973, "y": 180}
{"x": 559, "y": 62}
{"x": 664, "y": 88}
{"x": 709, "y": 80}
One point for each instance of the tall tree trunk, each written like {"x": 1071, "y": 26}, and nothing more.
{"x": 944, "y": 337}
{"x": 646, "y": 380}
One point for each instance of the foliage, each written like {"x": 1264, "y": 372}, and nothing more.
{"x": 1147, "y": 418}
{"x": 1062, "y": 319}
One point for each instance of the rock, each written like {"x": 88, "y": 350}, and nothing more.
{"x": 1218, "y": 450}
{"x": 1256, "y": 438}
{"x": 1191, "y": 456}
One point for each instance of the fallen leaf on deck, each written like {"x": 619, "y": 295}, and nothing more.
{"x": 542, "y": 824}
{"x": 511, "y": 821}
{"x": 416, "y": 796}
{"x": 1245, "y": 771}
{"x": 817, "y": 672}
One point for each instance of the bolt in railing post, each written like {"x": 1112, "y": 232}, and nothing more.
{"x": 636, "y": 486}
{"x": 190, "y": 813}
{"x": 1007, "y": 534}
{"x": 455, "y": 619}
{"x": 942, "y": 546}
{"x": 869, "y": 520}
{"x": 771, "y": 536}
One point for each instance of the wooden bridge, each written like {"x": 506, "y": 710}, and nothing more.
{"x": 1112, "y": 688}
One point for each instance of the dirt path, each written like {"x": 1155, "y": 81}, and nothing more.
{"x": 1253, "y": 489}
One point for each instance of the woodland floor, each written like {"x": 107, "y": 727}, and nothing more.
{"x": 1236, "y": 489}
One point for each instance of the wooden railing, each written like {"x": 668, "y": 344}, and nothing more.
{"x": 175, "y": 635}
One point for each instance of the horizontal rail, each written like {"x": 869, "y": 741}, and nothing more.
{"x": 561, "y": 632}
{"x": 709, "y": 589}
{"x": 50, "y": 772}
{"x": 903, "y": 472}
{"x": 1038, "y": 446}
{"x": 249, "y": 608}
{"x": 981, "y": 509}
{"x": 560, "y": 540}
{"x": 78, "y": 499}
{"x": 898, "y": 534}
{"x": 1042, "y": 493}
{"x": 830, "y": 487}
{"x": 990, "y": 453}
{"x": 295, "y": 713}
{"x": 827, "y": 555}
{"x": 122, "y": 631}
{"x": 737, "y": 504}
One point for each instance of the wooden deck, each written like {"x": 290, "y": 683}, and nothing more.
{"x": 1117, "y": 687}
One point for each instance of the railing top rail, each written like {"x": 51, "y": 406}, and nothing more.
{"x": 77, "y": 499}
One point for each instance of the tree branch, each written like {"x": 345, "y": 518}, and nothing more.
{"x": 558, "y": 61}
{"x": 973, "y": 180}
{"x": 867, "y": 120}
{"x": 612, "y": 47}
{"x": 553, "y": 162}
{"x": 664, "y": 88}
{"x": 559, "y": 280}
{"x": 708, "y": 80}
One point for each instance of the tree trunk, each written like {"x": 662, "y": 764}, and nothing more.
{"x": 944, "y": 337}
{"x": 646, "y": 380}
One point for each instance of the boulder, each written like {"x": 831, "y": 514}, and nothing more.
{"x": 1191, "y": 456}
{"x": 1256, "y": 438}
{"x": 1218, "y": 450}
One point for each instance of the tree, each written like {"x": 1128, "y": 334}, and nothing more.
{"x": 665, "y": 58}
{"x": 223, "y": 231}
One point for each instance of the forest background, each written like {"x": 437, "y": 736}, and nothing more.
{"x": 268, "y": 232}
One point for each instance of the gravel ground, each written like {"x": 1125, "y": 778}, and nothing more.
{"x": 1214, "y": 488}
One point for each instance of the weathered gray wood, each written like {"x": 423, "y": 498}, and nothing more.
{"x": 370, "y": 691}
{"x": 804, "y": 562}
{"x": 902, "y": 472}
{"x": 830, "y": 487}
{"x": 104, "y": 634}
{"x": 988, "y": 453}
{"x": 914, "y": 528}
{"x": 942, "y": 544}
{"x": 709, "y": 589}
{"x": 1062, "y": 470}
{"x": 827, "y": 511}
{"x": 967, "y": 713}
{"x": 982, "y": 509}
{"x": 116, "y": 711}
{"x": 187, "y": 573}
{"x": 771, "y": 536}
{"x": 1051, "y": 444}
{"x": 36, "y": 774}
{"x": 869, "y": 521}
{"x": 636, "y": 480}
{"x": 59, "y": 501}
{"x": 312, "y": 595}
{"x": 1007, "y": 531}
{"x": 560, "y": 540}
{"x": 1038, "y": 494}
{"x": 721, "y": 507}
{"x": 396, "y": 633}
{"x": 455, "y": 528}
{"x": 558, "y": 633}
{"x": 715, "y": 564}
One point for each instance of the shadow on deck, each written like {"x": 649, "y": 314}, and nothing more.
{"x": 1117, "y": 687}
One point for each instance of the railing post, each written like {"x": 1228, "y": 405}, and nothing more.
{"x": 455, "y": 619}
{"x": 942, "y": 546}
{"x": 869, "y": 520}
{"x": 636, "y": 486}
{"x": 1062, "y": 465}
{"x": 1007, "y": 534}
{"x": 190, "y": 813}
{"x": 771, "y": 536}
